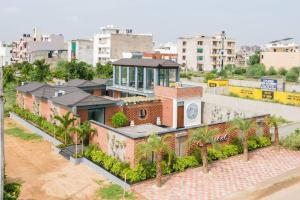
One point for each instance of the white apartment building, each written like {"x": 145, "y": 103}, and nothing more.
{"x": 5, "y": 54}
{"x": 111, "y": 43}
{"x": 81, "y": 50}
{"x": 166, "y": 48}
{"x": 36, "y": 46}
{"x": 203, "y": 53}
{"x": 281, "y": 53}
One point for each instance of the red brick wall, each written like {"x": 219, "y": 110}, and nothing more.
{"x": 100, "y": 138}
{"x": 28, "y": 102}
{"x": 153, "y": 110}
{"x": 177, "y": 93}
{"x": 45, "y": 109}
{"x": 167, "y": 112}
{"x": 97, "y": 92}
{"x": 83, "y": 113}
{"x": 109, "y": 113}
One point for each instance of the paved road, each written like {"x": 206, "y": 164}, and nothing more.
{"x": 290, "y": 193}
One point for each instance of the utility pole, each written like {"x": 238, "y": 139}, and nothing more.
{"x": 223, "y": 49}
{"x": 1, "y": 132}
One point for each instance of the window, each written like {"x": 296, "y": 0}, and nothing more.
{"x": 200, "y": 43}
{"x": 131, "y": 76}
{"x": 142, "y": 113}
{"x": 183, "y": 50}
{"x": 149, "y": 78}
{"x": 183, "y": 57}
{"x": 140, "y": 78}
{"x": 199, "y": 50}
{"x": 184, "y": 43}
{"x": 262, "y": 56}
{"x": 180, "y": 146}
{"x": 199, "y": 57}
{"x": 200, "y": 67}
{"x": 124, "y": 76}
{"x": 117, "y": 72}
{"x": 96, "y": 115}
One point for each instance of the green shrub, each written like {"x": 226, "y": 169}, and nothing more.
{"x": 230, "y": 150}
{"x": 252, "y": 144}
{"x": 292, "y": 75}
{"x": 182, "y": 163}
{"x": 11, "y": 191}
{"x": 239, "y": 71}
{"x": 264, "y": 141}
{"x": 119, "y": 120}
{"x": 282, "y": 71}
{"x": 238, "y": 142}
{"x": 292, "y": 141}
{"x": 166, "y": 168}
{"x": 209, "y": 76}
{"x": 272, "y": 71}
{"x": 256, "y": 71}
{"x": 214, "y": 154}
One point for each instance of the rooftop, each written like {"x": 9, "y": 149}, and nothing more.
{"x": 85, "y": 83}
{"x": 154, "y": 63}
{"x": 142, "y": 130}
{"x": 30, "y": 87}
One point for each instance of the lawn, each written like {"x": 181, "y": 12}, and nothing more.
{"x": 114, "y": 192}
{"x": 19, "y": 133}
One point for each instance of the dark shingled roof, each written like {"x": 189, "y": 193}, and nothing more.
{"x": 48, "y": 91}
{"x": 29, "y": 87}
{"x": 155, "y": 63}
{"x": 81, "y": 98}
{"x": 82, "y": 83}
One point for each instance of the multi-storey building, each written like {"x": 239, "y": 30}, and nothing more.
{"x": 244, "y": 53}
{"x": 281, "y": 53}
{"x": 36, "y": 46}
{"x": 111, "y": 43}
{"x": 204, "y": 53}
{"x": 5, "y": 54}
{"x": 166, "y": 51}
{"x": 81, "y": 50}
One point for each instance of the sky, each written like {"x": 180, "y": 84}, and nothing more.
{"x": 254, "y": 22}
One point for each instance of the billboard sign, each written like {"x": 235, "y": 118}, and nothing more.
{"x": 268, "y": 84}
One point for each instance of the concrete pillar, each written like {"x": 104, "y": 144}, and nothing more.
{"x": 127, "y": 77}
{"x": 114, "y": 74}
{"x": 177, "y": 75}
{"x": 136, "y": 78}
{"x": 120, "y": 75}
{"x": 145, "y": 78}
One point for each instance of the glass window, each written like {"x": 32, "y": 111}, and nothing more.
{"x": 140, "y": 78}
{"x": 150, "y": 78}
{"x": 199, "y": 50}
{"x": 124, "y": 76}
{"x": 117, "y": 81}
{"x": 142, "y": 113}
{"x": 199, "y": 57}
{"x": 131, "y": 76}
{"x": 96, "y": 115}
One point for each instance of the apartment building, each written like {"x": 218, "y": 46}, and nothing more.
{"x": 38, "y": 45}
{"x": 244, "y": 53}
{"x": 165, "y": 51}
{"x": 5, "y": 54}
{"x": 81, "y": 50}
{"x": 203, "y": 53}
{"x": 111, "y": 43}
{"x": 281, "y": 53}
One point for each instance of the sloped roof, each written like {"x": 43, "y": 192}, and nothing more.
{"x": 29, "y": 87}
{"x": 81, "y": 98}
{"x": 155, "y": 63}
{"x": 48, "y": 91}
{"x": 82, "y": 83}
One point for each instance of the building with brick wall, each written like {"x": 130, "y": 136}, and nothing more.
{"x": 165, "y": 108}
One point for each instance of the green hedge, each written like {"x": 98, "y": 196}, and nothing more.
{"x": 292, "y": 141}
{"x": 38, "y": 121}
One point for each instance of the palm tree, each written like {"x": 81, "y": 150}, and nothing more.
{"x": 274, "y": 121}
{"x": 244, "y": 126}
{"x": 159, "y": 146}
{"x": 201, "y": 137}
{"x": 65, "y": 122}
{"x": 84, "y": 130}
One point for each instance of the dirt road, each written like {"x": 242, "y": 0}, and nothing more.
{"x": 45, "y": 175}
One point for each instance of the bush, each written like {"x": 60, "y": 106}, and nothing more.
{"x": 256, "y": 71}
{"x": 282, "y": 71}
{"x": 238, "y": 143}
{"x": 230, "y": 150}
{"x": 272, "y": 71}
{"x": 119, "y": 120}
{"x": 209, "y": 76}
{"x": 182, "y": 163}
{"x": 292, "y": 141}
{"x": 264, "y": 141}
{"x": 292, "y": 75}
{"x": 11, "y": 191}
{"x": 239, "y": 71}
{"x": 214, "y": 154}
{"x": 252, "y": 144}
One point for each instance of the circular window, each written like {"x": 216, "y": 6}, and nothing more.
{"x": 142, "y": 113}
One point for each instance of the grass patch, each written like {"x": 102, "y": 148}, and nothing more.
{"x": 17, "y": 132}
{"x": 114, "y": 192}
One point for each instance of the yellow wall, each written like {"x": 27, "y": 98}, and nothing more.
{"x": 217, "y": 83}
{"x": 254, "y": 93}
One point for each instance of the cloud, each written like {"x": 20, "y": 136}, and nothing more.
{"x": 72, "y": 19}
{"x": 11, "y": 10}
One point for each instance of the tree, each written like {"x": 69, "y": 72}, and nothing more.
{"x": 119, "y": 119}
{"x": 9, "y": 75}
{"x": 244, "y": 126}
{"x": 65, "y": 122}
{"x": 26, "y": 69}
{"x": 201, "y": 137}
{"x": 256, "y": 71}
{"x": 274, "y": 121}
{"x": 293, "y": 74}
{"x": 282, "y": 71}
{"x": 159, "y": 146}
{"x": 85, "y": 130}
{"x": 254, "y": 59}
{"x": 73, "y": 70}
{"x": 41, "y": 71}
{"x": 272, "y": 71}
{"x": 104, "y": 71}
